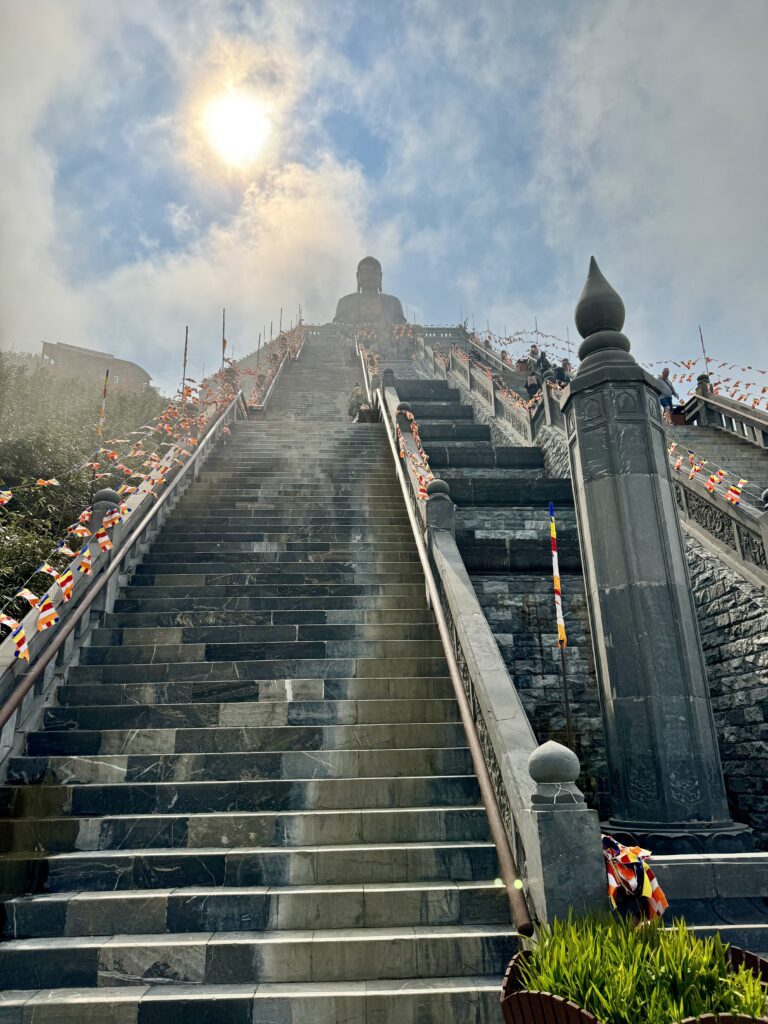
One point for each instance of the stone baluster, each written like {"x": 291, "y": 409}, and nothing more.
{"x": 564, "y": 824}
{"x": 441, "y": 512}
{"x": 666, "y": 781}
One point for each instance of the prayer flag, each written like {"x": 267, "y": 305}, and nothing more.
{"x": 45, "y": 567}
{"x": 64, "y": 549}
{"x": 19, "y": 636}
{"x": 561, "y": 636}
{"x": 5, "y": 497}
{"x": 85, "y": 565}
{"x": 733, "y": 494}
{"x": 67, "y": 582}
{"x": 78, "y": 530}
{"x": 27, "y": 595}
{"x": 102, "y": 539}
{"x": 112, "y": 518}
{"x": 714, "y": 480}
{"x": 48, "y": 615}
{"x": 53, "y": 482}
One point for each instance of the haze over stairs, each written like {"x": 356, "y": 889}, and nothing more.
{"x": 254, "y": 801}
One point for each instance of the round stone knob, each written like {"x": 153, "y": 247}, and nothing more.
{"x": 552, "y": 762}
{"x": 108, "y": 496}
{"x": 437, "y": 486}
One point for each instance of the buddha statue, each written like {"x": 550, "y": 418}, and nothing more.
{"x": 368, "y": 305}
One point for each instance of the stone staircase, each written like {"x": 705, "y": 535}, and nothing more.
{"x": 502, "y": 531}
{"x": 254, "y": 801}
{"x": 724, "y": 449}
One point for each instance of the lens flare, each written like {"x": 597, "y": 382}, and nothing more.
{"x": 237, "y": 126}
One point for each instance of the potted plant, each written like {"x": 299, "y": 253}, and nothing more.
{"x": 610, "y": 970}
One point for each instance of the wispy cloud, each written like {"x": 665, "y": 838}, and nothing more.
{"x": 483, "y": 152}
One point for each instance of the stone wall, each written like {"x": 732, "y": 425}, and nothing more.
{"x": 554, "y": 450}
{"x": 520, "y": 611}
{"x": 733, "y": 622}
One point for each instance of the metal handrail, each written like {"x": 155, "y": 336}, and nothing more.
{"x": 46, "y": 657}
{"x": 517, "y": 902}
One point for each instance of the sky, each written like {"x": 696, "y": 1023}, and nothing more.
{"x": 483, "y": 152}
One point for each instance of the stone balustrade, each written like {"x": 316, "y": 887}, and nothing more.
{"x": 556, "y": 843}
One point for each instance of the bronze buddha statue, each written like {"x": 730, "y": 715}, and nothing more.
{"x": 369, "y": 305}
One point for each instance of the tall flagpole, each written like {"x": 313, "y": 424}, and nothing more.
{"x": 562, "y": 640}
{"x": 100, "y": 427}
{"x": 223, "y": 336}
{"x": 184, "y": 367}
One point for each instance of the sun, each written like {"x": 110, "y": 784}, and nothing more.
{"x": 237, "y": 125}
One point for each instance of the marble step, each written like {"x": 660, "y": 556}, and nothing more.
{"x": 352, "y": 617}
{"x": 428, "y": 410}
{"x": 200, "y": 550}
{"x": 146, "y": 603}
{"x": 283, "y": 668}
{"x": 222, "y": 958}
{"x": 505, "y": 487}
{"x": 202, "y": 692}
{"x": 227, "y": 589}
{"x": 244, "y": 568}
{"x": 280, "y": 555}
{"x": 448, "y": 430}
{"x": 92, "y": 800}
{"x": 274, "y": 519}
{"x": 463, "y": 1000}
{"x": 302, "y": 650}
{"x": 275, "y": 633}
{"x": 474, "y": 453}
{"x": 262, "y": 713}
{"x": 346, "y": 863}
{"x": 224, "y": 830}
{"x": 412, "y": 389}
{"x": 256, "y": 908}
{"x": 330, "y": 764}
{"x": 220, "y": 740}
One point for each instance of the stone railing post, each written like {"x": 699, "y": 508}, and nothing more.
{"x": 103, "y": 502}
{"x": 666, "y": 781}
{"x": 703, "y": 389}
{"x": 563, "y": 824}
{"x": 441, "y": 512}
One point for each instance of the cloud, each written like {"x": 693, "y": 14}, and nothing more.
{"x": 483, "y": 152}
{"x": 651, "y": 154}
{"x": 294, "y": 240}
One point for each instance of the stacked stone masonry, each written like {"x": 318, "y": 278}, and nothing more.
{"x": 732, "y": 622}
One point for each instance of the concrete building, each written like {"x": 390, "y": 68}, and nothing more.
{"x": 90, "y": 364}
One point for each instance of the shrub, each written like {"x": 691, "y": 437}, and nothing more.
{"x": 629, "y": 974}
{"x": 47, "y": 429}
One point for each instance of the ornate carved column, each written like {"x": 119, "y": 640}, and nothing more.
{"x": 666, "y": 781}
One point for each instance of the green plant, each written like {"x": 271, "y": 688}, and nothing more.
{"x": 48, "y": 429}
{"x": 629, "y": 974}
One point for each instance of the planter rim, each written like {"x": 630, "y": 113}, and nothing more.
{"x": 517, "y": 1002}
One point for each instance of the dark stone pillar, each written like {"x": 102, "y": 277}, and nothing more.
{"x": 666, "y": 780}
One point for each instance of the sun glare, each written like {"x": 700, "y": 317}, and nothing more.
{"x": 237, "y": 126}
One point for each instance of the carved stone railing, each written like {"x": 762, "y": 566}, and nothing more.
{"x": 738, "y": 534}
{"x": 179, "y": 478}
{"x": 706, "y": 409}
{"x": 554, "y": 837}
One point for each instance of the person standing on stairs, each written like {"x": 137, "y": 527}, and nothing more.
{"x": 667, "y": 394}
{"x": 355, "y": 402}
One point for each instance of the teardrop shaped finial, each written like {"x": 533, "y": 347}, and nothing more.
{"x": 599, "y": 307}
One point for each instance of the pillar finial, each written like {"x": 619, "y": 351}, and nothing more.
{"x": 599, "y": 315}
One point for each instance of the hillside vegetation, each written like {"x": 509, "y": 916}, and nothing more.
{"x": 48, "y": 430}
